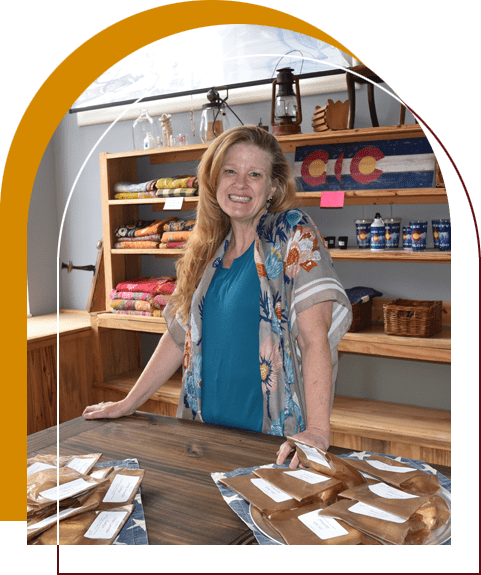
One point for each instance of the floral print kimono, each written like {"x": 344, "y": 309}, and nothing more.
{"x": 296, "y": 272}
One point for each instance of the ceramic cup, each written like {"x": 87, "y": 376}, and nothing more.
{"x": 444, "y": 235}
{"x": 419, "y": 230}
{"x": 331, "y": 241}
{"x": 363, "y": 233}
{"x": 393, "y": 232}
{"x": 342, "y": 242}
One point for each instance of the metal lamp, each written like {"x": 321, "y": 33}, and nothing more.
{"x": 286, "y": 112}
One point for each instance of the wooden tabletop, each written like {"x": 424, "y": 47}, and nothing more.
{"x": 182, "y": 504}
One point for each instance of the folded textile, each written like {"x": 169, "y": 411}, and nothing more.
{"x": 134, "y": 195}
{"x": 154, "y": 228}
{"x": 132, "y": 304}
{"x": 148, "y": 238}
{"x": 133, "y": 187}
{"x": 179, "y": 226}
{"x": 152, "y": 285}
{"x": 136, "y": 245}
{"x": 175, "y": 237}
{"x": 128, "y": 230}
{"x": 114, "y": 294}
{"x": 175, "y": 192}
{"x": 159, "y": 301}
{"x": 172, "y": 245}
{"x": 361, "y": 294}
{"x": 154, "y": 313}
{"x": 178, "y": 182}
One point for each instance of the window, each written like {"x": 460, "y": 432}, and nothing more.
{"x": 231, "y": 55}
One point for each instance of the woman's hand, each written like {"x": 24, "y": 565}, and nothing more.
{"x": 318, "y": 438}
{"x": 107, "y": 409}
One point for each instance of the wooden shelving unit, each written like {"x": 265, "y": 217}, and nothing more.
{"x": 122, "y": 264}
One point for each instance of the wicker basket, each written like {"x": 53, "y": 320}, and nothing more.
{"x": 361, "y": 316}
{"x": 415, "y": 318}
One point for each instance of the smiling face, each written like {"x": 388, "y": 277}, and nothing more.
{"x": 244, "y": 184}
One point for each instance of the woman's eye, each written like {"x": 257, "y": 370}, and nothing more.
{"x": 256, "y": 174}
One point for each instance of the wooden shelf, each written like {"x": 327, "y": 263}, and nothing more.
{"x": 395, "y": 255}
{"x": 351, "y": 254}
{"x": 374, "y": 341}
{"x": 132, "y": 322}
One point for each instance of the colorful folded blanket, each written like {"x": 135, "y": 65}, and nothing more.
{"x": 152, "y": 285}
{"x": 133, "y": 304}
{"x": 175, "y": 192}
{"x": 136, "y": 245}
{"x": 175, "y": 237}
{"x": 154, "y": 313}
{"x": 134, "y": 195}
{"x": 179, "y": 226}
{"x": 178, "y": 182}
{"x": 159, "y": 301}
{"x": 148, "y": 238}
{"x": 172, "y": 245}
{"x": 133, "y": 187}
{"x": 128, "y": 230}
{"x": 114, "y": 294}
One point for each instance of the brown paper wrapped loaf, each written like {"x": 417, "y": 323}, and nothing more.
{"x": 398, "y": 474}
{"x": 290, "y": 481}
{"x": 295, "y": 532}
{"x": 327, "y": 463}
{"x": 395, "y": 532}
{"x": 432, "y": 508}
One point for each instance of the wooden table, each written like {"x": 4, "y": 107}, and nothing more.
{"x": 182, "y": 504}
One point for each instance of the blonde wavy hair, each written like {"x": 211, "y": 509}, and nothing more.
{"x": 212, "y": 224}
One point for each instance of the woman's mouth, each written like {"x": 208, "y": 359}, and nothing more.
{"x": 242, "y": 199}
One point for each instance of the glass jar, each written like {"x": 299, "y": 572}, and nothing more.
{"x": 213, "y": 122}
{"x": 145, "y": 132}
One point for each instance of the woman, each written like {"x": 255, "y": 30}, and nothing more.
{"x": 258, "y": 311}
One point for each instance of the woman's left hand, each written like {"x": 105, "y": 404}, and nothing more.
{"x": 317, "y": 438}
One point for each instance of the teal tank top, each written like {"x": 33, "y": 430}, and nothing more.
{"x": 231, "y": 392}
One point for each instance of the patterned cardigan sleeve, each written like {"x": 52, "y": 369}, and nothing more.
{"x": 310, "y": 278}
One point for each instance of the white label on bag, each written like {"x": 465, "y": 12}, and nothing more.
{"x": 369, "y": 511}
{"x": 105, "y": 525}
{"x": 388, "y": 492}
{"x": 81, "y": 465}
{"x": 307, "y": 476}
{"x": 270, "y": 490}
{"x": 38, "y": 466}
{"x": 323, "y": 527}
{"x": 385, "y": 467}
{"x": 313, "y": 455}
{"x": 120, "y": 489}
{"x": 52, "y": 519}
{"x": 66, "y": 490}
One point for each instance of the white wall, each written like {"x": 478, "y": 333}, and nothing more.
{"x": 389, "y": 380}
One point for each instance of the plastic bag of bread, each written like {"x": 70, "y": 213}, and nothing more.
{"x": 327, "y": 463}
{"x": 81, "y": 463}
{"x": 398, "y": 474}
{"x": 304, "y": 526}
{"x": 433, "y": 508}
{"x": 43, "y": 491}
{"x": 302, "y": 484}
{"x": 120, "y": 488}
{"x": 95, "y": 527}
{"x": 380, "y": 524}
{"x": 266, "y": 497}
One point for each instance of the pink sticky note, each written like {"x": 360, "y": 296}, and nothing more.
{"x": 332, "y": 199}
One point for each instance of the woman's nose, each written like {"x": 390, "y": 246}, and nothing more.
{"x": 240, "y": 180}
